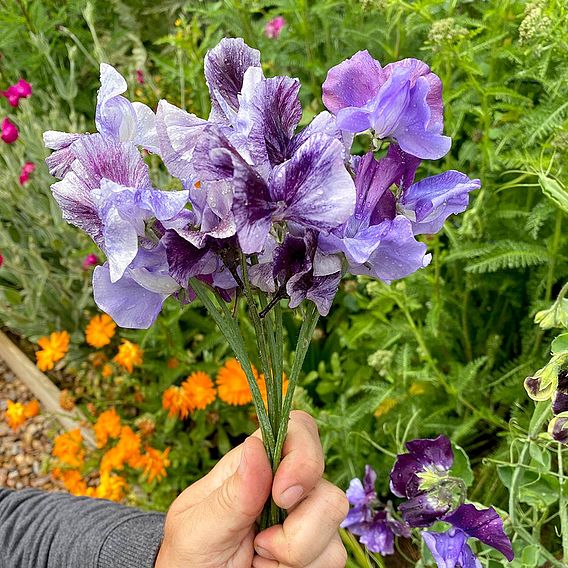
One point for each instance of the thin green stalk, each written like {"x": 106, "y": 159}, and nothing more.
{"x": 231, "y": 332}
{"x": 563, "y": 507}
{"x": 354, "y": 547}
{"x": 304, "y": 339}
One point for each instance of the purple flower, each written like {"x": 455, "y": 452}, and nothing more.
{"x": 370, "y": 520}
{"x": 299, "y": 269}
{"x": 312, "y": 189}
{"x": 116, "y": 119}
{"x": 429, "y": 202}
{"x": 450, "y": 548}
{"x": 402, "y": 101}
{"x": 136, "y": 298}
{"x": 422, "y": 477}
{"x": 274, "y": 27}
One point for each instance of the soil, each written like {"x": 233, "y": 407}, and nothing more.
{"x": 24, "y": 453}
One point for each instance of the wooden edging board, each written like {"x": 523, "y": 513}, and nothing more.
{"x": 42, "y": 388}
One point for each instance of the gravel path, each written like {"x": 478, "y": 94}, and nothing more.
{"x": 24, "y": 453}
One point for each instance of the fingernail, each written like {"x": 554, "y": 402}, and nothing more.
{"x": 291, "y": 496}
{"x": 264, "y": 553}
{"x": 243, "y": 462}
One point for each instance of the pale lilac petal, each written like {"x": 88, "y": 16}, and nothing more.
{"x": 429, "y": 202}
{"x": 114, "y": 116}
{"x": 485, "y": 525}
{"x": 398, "y": 254}
{"x": 315, "y": 186}
{"x": 146, "y": 134}
{"x": 446, "y": 547}
{"x": 178, "y": 133}
{"x": 59, "y": 162}
{"x": 352, "y": 83}
{"x": 322, "y": 123}
{"x": 415, "y": 132}
{"x": 120, "y": 243}
{"x": 354, "y": 119}
{"x": 356, "y": 493}
{"x": 225, "y": 66}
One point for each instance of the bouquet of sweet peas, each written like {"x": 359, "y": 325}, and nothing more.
{"x": 268, "y": 213}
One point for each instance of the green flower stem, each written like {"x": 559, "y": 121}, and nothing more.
{"x": 563, "y": 507}
{"x": 232, "y": 334}
{"x": 306, "y": 332}
{"x": 356, "y": 550}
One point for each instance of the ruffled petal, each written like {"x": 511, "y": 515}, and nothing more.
{"x": 446, "y": 547}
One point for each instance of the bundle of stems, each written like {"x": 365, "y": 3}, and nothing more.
{"x": 266, "y": 316}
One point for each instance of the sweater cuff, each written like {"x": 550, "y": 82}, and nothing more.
{"x": 133, "y": 543}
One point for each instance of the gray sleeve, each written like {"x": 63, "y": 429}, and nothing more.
{"x": 58, "y": 530}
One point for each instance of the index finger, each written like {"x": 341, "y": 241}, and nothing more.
{"x": 302, "y": 463}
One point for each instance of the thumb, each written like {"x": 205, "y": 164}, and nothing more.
{"x": 239, "y": 500}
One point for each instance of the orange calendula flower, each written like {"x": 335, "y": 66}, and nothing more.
{"x": 68, "y": 447}
{"x": 155, "y": 463}
{"x": 53, "y": 349}
{"x": 107, "y": 426}
{"x": 200, "y": 390}
{"x": 232, "y": 384}
{"x": 31, "y": 409}
{"x": 127, "y": 451}
{"x": 15, "y": 414}
{"x": 264, "y": 391}
{"x": 177, "y": 402}
{"x": 72, "y": 480}
{"x": 107, "y": 371}
{"x": 111, "y": 487}
{"x": 100, "y": 330}
{"x": 129, "y": 355}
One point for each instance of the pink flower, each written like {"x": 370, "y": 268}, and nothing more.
{"x": 28, "y": 168}
{"x": 273, "y": 29}
{"x": 1, "y": 260}
{"x": 90, "y": 260}
{"x": 9, "y": 131}
{"x": 140, "y": 76}
{"x": 21, "y": 90}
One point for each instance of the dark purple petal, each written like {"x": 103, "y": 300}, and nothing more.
{"x": 321, "y": 290}
{"x": 560, "y": 398}
{"x": 558, "y": 428}
{"x": 357, "y": 519}
{"x": 178, "y": 133}
{"x": 485, "y": 525}
{"x": 313, "y": 187}
{"x": 352, "y": 83}
{"x": 398, "y": 253}
{"x": 185, "y": 260}
{"x": 225, "y": 66}
{"x": 422, "y": 454}
{"x": 424, "y": 509}
{"x": 446, "y": 547}
{"x": 370, "y": 480}
{"x": 429, "y": 202}
{"x": 275, "y": 111}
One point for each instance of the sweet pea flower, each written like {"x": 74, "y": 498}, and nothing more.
{"x": 1, "y": 260}
{"x": 140, "y": 76}
{"x": 451, "y": 549}
{"x": 369, "y": 519}
{"x": 274, "y": 27}
{"x": 402, "y": 101}
{"x": 9, "y": 131}
{"x": 22, "y": 89}
{"x": 27, "y": 169}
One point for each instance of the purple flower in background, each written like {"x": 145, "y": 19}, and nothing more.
{"x": 90, "y": 260}
{"x": 370, "y": 520}
{"x": 21, "y": 90}
{"x": 422, "y": 477}
{"x": 402, "y": 101}
{"x": 274, "y": 27}
{"x": 451, "y": 549}
{"x": 558, "y": 427}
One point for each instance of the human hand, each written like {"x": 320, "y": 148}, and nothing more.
{"x": 212, "y": 523}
